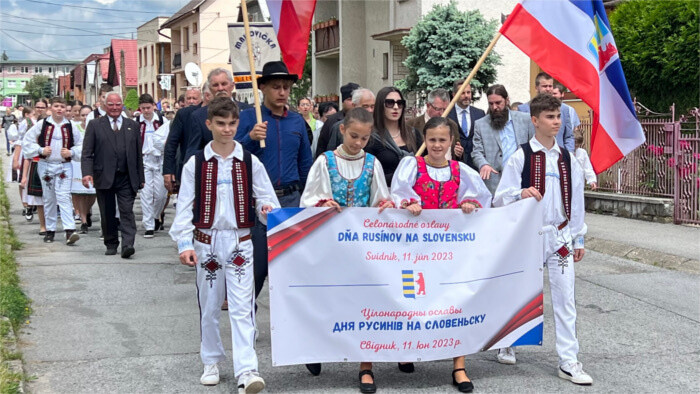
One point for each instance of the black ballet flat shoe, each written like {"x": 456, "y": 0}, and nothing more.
{"x": 367, "y": 387}
{"x": 407, "y": 367}
{"x": 463, "y": 387}
{"x": 315, "y": 368}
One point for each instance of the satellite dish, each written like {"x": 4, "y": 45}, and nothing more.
{"x": 193, "y": 74}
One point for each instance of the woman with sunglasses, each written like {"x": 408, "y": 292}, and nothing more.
{"x": 391, "y": 138}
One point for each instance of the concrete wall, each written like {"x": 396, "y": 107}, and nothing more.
{"x": 378, "y": 20}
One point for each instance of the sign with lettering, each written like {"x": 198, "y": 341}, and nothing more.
{"x": 358, "y": 285}
{"x": 265, "y": 49}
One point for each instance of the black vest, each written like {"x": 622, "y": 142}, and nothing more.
{"x": 47, "y": 130}
{"x": 535, "y": 169}
{"x": 205, "y": 181}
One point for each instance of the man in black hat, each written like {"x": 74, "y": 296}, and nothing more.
{"x": 287, "y": 155}
{"x": 326, "y": 131}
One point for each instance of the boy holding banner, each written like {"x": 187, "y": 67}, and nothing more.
{"x": 432, "y": 182}
{"x": 349, "y": 177}
{"x": 223, "y": 187}
{"x": 545, "y": 171}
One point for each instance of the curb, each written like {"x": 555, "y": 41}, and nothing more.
{"x": 15, "y": 365}
{"x": 642, "y": 255}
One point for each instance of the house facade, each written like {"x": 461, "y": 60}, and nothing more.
{"x": 14, "y": 75}
{"x": 154, "y": 57}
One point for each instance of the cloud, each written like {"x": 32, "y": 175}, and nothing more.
{"x": 106, "y": 2}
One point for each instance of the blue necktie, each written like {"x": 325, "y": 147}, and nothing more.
{"x": 465, "y": 126}
{"x": 508, "y": 144}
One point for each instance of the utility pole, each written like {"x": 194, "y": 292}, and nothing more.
{"x": 122, "y": 73}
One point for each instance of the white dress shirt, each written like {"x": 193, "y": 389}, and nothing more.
{"x": 30, "y": 143}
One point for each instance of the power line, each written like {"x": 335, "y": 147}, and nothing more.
{"x": 27, "y": 46}
{"x": 61, "y": 35}
{"x": 60, "y": 50}
{"x": 74, "y": 21}
{"x": 92, "y": 8}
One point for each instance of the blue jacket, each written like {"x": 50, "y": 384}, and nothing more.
{"x": 565, "y": 137}
{"x": 287, "y": 155}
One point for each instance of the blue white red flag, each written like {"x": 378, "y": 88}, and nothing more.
{"x": 571, "y": 40}
{"x": 291, "y": 20}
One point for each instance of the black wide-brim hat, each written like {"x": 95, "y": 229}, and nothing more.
{"x": 276, "y": 70}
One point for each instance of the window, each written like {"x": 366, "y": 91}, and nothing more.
{"x": 50, "y": 70}
{"x": 140, "y": 59}
{"x": 11, "y": 84}
{"x": 65, "y": 69}
{"x": 13, "y": 69}
{"x": 153, "y": 54}
{"x": 22, "y": 84}
{"x": 385, "y": 65}
{"x": 194, "y": 48}
{"x": 24, "y": 70}
{"x": 194, "y": 28}
{"x": 186, "y": 38}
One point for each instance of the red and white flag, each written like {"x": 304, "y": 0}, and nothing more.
{"x": 571, "y": 40}
{"x": 291, "y": 20}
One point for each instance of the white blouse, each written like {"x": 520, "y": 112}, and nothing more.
{"x": 471, "y": 186}
{"x": 318, "y": 184}
{"x": 585, "y": 162}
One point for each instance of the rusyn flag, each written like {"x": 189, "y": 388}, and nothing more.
{"x": 291, "y": 20}
{"x": 571, "y": 40}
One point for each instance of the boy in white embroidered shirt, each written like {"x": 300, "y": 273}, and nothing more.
{"x": 223, "y": 187}
{"x": 542, "y": 170}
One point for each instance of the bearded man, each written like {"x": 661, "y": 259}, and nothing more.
{"x": 498, "y": 135}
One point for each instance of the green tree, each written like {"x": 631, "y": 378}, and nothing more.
{"x": 39, "y": 86}
{"x": 302, "y": 87}
{"x": 131, "y": 102}
{"x": 445, "y": 45}
{"x": 658, "y": 46}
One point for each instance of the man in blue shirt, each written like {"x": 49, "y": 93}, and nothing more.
{"x": 287, "y": 155}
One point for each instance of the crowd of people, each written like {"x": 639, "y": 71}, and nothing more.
{"x": 361, "y": 154}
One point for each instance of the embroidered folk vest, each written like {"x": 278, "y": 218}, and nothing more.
{"x": 351, "y": 192}
{"x": 205, "y": 181}
{"x": 156, "y": 125}
{"x": 46, "y": 134}
{"x": 535, "y": 169}
{"x": 435, "y": 194}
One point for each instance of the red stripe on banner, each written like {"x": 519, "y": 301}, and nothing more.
{"x": 293, "y": 34}
{"x": 604, "y": 151}
{"x": 283, "y": 240}
{"x": 529, "y": 312}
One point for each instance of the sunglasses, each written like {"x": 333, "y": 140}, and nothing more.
{"x": 389, "y": 103}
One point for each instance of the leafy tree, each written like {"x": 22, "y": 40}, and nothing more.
{"x": 39, "y": 86}
{"x": 303, "y": 86}
{"x": 658, "y": 46}
{"x": 445, "y": 45}
{"x": 131, "y": 102}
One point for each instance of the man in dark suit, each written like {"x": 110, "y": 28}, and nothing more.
{"x": 177, "y": 140}
{"x": 465, "y": 115}
{"x": 113, "y": 163}
{"x": 327, "y": 129}
{"x": 221, "y": 84}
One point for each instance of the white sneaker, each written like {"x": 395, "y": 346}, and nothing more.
{"x": 574, "y": 373}
{"x": 210, "y": 377}
{"x": 250, "y": 382}
{"x": 506, "y": 356}
{"x": 256, "y": 333}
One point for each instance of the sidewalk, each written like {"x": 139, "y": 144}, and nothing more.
{"x": 669, "y": 246}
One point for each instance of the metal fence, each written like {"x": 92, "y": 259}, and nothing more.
{"x": 666, "y": 165}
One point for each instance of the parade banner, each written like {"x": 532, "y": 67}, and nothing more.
{"x": 265, "y": 49}
{"x": 357, "y": 285}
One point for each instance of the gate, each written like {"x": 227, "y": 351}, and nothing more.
{"x": 666, "y": 165}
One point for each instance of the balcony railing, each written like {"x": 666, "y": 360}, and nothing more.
{"x": 327, "y": 36}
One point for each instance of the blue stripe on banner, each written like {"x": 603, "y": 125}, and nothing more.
{"x": 346, "y": 285}
{"x": 244, "y": 85}
{"x": 586, "y": 6}
{"x": 532, "y": 337}
{"x": 617, "y": 79}
{"x": 277, "y": 216}
{"x": 409, "y": 288}
{"x": 476, "y": 280}
{"x": 407, "y": 272}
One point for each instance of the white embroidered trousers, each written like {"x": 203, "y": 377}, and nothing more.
{"x": 56, "y": 185}
{"x": 218, "y": 278}
{"x": 153, "y": 195}
{"x": 561, "y": 285}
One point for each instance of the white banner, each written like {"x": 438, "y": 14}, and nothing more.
{"x": 265, "y": 49}
{"x": 363, "y": 286}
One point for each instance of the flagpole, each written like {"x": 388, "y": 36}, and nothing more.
{"x": 466, "y": 83}
{"x": 251, "y": 62}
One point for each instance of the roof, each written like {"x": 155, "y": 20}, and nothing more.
{"x": 41, "y": 62}
{"x": 104, "y": 65}
{"x": 188, "y": 9}
{"x": 130, "y": 62}
{"x": 92, "y": 57}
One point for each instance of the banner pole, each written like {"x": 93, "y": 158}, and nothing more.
{"x": 251, "y": 62}
{"x": 466, "y": 82}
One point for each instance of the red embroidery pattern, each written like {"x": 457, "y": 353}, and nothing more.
{"x": 48, "y": 135}
{"x": 538, "y": 168}
{"x": 564, "y": 182}
{"x": 208, "y": 193}
{"x": 435, "y": 194}
{"x": 240, "y": 197}
{"x": 143, "y": 131}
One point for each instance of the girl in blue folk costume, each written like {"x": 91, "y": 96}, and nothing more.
{"x": 433, "y": 182}
{"x": 349, "y": 177}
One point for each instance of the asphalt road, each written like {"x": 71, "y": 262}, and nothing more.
{"x": 104, "y": 324}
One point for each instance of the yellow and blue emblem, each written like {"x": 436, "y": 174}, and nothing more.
{"x": 413, "y": 284}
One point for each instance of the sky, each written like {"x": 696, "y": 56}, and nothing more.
{"x": 73, "y": 29}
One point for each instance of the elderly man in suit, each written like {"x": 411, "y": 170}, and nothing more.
{"x": 465, "y": 115}
{"x": 112, "y": 161}
{"x": 435, "y": 105}
{"x": 498, "y": 135}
